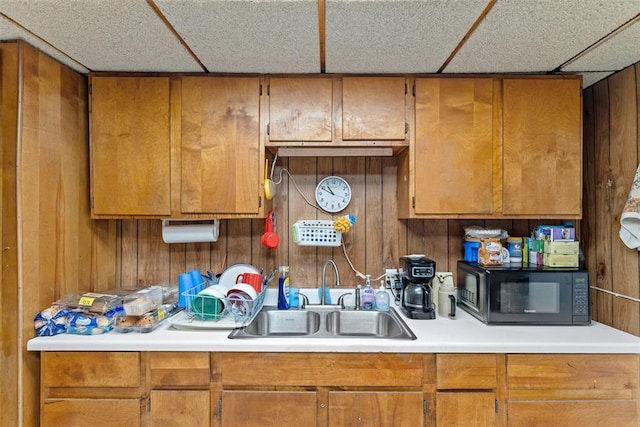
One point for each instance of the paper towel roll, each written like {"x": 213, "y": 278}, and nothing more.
{"x": 189, "y": 233}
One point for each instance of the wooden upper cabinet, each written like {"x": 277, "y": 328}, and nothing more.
{"x": 373, "y": 108}
{"x": 542, "y": 147}
{"x": 130, "y": 146}
{"x": 220, "y": 145}
{"x": 300, "y": 109}
{"x": 455, "y": 146}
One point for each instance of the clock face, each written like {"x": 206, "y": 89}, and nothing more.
{"x": 333, "y": 194}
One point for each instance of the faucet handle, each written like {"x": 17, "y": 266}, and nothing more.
{"x": 305, "y": 300}
{"x": 341, "y": 300}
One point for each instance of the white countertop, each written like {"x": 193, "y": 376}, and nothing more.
{"x": 465, "y": 334}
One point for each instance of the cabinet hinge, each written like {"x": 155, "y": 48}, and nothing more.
{"x": 496, "y": 406}
{"x": 406, "y": 89}
{"x": 148, "y": 404}
{"x": 259, "y": 201}
{"x": 268, "y": 128}
{"x": 413, "y": 202}
{"x": 413, "y": 90}
{"x": 92, "y": 203}
{"x": 424, "y": 406}
{"x": 268, "y": 90}
{"x": 406, "y": 128}
{"x": 90, "y": 88}
{"x": 220, "y": 407}
{"x": 260, "y": 92}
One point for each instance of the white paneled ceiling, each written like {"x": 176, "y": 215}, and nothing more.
{"x": 249, "y": 36}
{"x": 410, "y": 36}
{"x": 590, "y": 37}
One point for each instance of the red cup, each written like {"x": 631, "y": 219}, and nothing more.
{"x": 252, "y": 279}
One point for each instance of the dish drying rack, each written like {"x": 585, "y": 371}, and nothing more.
{"x": 238, "y": 311}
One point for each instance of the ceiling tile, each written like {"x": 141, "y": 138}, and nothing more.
{"x": 538, "y": 36}
{"x": 590, "y": 78}
{"x": 123, "y": 35}
{"x": 397, "y": 36}
{"x": 11, "y": 31}
{"x": 613, "y": 54}
{"x": 260, "y": 36}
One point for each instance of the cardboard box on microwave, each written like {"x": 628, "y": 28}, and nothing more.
{"x": 562, "y": 248}
{"x": 560, "y": 260}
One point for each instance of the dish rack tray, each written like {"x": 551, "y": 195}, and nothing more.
{"x": 238, "y": 311}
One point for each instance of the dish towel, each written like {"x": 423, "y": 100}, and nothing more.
{"x": 630, "y": 218}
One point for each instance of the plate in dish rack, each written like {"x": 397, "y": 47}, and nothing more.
{"x": 187, "y": 321}
{"x": 228, "y": 277}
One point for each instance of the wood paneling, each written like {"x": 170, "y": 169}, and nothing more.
{"x": 50, "y": 244}
{"x": 611, "y": 159}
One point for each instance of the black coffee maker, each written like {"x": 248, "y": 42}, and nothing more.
{"x": 416, "y": 299}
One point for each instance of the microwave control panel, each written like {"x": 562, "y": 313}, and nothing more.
{"x": 580, "y": 295}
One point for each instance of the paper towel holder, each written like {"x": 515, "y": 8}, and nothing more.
{"x": 190, "y": 233}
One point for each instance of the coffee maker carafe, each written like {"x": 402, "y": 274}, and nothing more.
{"x": 416, "y": 299}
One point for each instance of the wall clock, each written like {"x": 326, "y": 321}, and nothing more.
{"x": 333, "y": 193}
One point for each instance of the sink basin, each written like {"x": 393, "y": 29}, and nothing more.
{"x": 325, "y": 322}
{"x": 276, "y": 323}
{"x": 376, "y": 324}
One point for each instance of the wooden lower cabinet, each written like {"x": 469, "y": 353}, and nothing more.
{"x": 180, "y": 408}
{"x": 573, "y": 390}
{"x": 91, "y": 412}
{"x": 375, "y": 408}
{"x": 338, "y": 389}
{"x": 472, "y": 409}
{"x": 268, "y": 408}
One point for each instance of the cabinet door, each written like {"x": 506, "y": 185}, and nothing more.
{"x": 268, "y": 408}
{"x": 455, "y": 151}
{"x": 130, "y": 146}
{"x": 301, "y": 109}
{"x": 220, "y": 145}
{"x": 91, "y": 412}
{"x": 180, "y": 408}
{"x": 465, "y": 409}
{"x": 373, "y": 108}
{"x": 360, "y": 408}
{"x": 542, "y": 147}
{"x": 570, "y": 413}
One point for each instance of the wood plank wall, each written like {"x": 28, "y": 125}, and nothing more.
{"x": 47, "y": 233}
{"x": 376, "y": 242}
{"x": 611, "y": 156}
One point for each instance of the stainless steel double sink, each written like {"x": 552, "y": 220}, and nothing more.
{"x": 325, "y": 322}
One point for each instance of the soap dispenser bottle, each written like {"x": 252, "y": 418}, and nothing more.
{"x": 368, "y": 295}
{"x": 382, "y": 298}
{"x": 283, "y": 288}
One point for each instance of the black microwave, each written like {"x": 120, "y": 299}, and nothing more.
{"x": 524, "y": 294}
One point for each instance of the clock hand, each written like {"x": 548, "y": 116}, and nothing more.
{"x": 329, "y": 190}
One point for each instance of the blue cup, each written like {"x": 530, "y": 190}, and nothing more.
{"x": 197, "y": 280}
{"x": 185, "y": 284}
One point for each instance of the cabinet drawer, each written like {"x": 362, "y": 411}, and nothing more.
{"x": 572, "y": 372}
{"x": 466, "y": 371}
{"x": 322, "y": 369}
{"x": 179, "y": 369}
{"x": 90, "y": 369}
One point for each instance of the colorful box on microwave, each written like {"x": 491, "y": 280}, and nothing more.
{"x": 556, "y": 233}
{"x": 490, "y": 252}
{"x": 560, "y": 260}
{"x": 562, "y": 248}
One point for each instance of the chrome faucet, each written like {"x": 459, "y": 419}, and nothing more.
{"x": 324, "y": 271}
